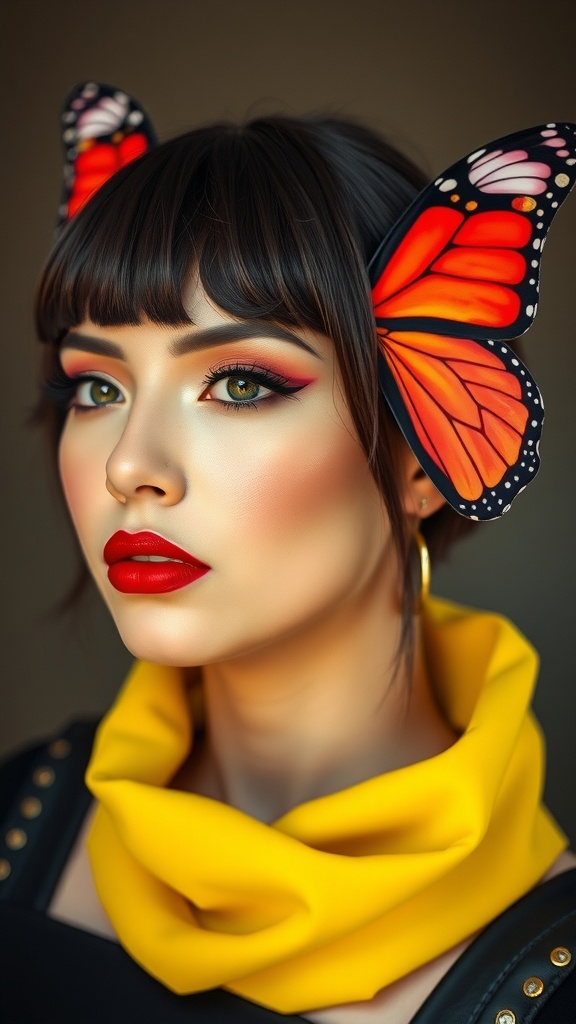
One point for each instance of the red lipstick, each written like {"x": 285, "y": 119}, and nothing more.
{"x": 130, "y": 570}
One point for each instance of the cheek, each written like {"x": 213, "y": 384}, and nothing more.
{"x": 82, "y": 468}
{"x": 305, "y": 489}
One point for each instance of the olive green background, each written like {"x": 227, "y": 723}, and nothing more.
{"x": 440, "y": 78}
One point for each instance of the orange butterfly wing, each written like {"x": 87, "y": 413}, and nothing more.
{"x": 469, "y": 414}
{"x": 456, "y": 279}
{"x": 95, "y": 164}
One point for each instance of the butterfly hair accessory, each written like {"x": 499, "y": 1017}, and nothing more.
{"x": 103, "y": 130}
{"x": 453, "y": 283}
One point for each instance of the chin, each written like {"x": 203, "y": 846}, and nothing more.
{"x": 176, "y": 637}
{"x": 158, "y": 635}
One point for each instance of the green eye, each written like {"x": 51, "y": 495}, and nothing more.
{"x": 102, "y": 393}
{"x": 91, "y": 394}
{"x": 240, "y": 389}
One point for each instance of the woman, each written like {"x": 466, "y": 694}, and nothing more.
{"x": 307, "y": 784}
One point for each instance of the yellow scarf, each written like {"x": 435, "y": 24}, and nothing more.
{"x": 348, "y": 892}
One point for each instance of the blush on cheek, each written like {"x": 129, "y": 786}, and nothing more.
{"x": 303, "y": 487}
{"x": 81, "y": 479}
{"x": 68, "y": 476}
{"x": 74, "y": 492}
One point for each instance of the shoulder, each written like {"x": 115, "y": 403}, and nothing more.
{"x": 522, "y": 967}
{"x": 43, "y": 800}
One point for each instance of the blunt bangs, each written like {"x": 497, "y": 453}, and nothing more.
{"x": 255, "y": 212}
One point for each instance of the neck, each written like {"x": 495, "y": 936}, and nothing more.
{"x": 319, "y": 712}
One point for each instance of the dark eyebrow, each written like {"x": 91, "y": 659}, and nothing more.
{"x": 237, "y": 332}
{"x": 195, "y": 341}
{"x": 98, "y": 346}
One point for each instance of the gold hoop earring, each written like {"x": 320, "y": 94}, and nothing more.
{"x": 424, "y": 557}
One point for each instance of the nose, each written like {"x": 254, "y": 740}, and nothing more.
{"x": 144, "y": 463}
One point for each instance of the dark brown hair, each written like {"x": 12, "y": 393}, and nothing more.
{"x": 279, "y": 217}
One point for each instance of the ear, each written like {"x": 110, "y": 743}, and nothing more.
{"x": 420, "y": 497}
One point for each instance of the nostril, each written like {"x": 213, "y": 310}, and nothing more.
{"x": 150, "y": 487}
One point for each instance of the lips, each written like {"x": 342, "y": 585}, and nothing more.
{"x": 145, "y": 563}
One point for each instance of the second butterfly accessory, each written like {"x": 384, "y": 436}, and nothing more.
{"x": 103, "y": 129}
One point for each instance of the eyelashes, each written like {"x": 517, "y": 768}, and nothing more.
{"x": 237, "y": 386}
{"x": 63, "y": 390}
{"x": 242, "y": 386}
{"x": 59, "y": 388}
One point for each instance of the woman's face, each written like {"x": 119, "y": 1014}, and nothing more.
{"x": 233, "y": 442}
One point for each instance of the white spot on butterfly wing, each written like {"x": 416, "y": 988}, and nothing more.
{"x": 476, "y": 155}
{"x": 104, "y": 118}
{"x": 448, "y": 185}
